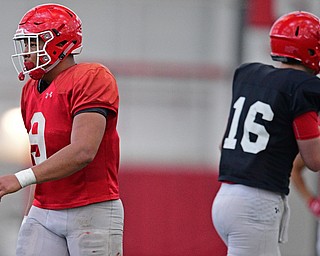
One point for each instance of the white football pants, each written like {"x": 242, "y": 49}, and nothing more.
{"x": 250, "y": 221}
{"x": 95, "y": 229}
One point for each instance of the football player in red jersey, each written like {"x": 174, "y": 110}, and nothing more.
{"x": 273, "y": 116}
{"x": 70, "y": 111}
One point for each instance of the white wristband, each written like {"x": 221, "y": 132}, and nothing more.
{"x": 26, "y": 177}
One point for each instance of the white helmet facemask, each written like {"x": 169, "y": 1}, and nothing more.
{"x": 23, "y": 46}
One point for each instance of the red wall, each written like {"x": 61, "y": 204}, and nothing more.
{"x": 168, "y": 211}
{"x": 261, "y": 13}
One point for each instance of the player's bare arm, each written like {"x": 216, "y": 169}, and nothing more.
{"x": 87, "y": 133}
{"x": 297, "y": 178}
{"x": 309, "y": 150}
{"x": 311, "y": 200}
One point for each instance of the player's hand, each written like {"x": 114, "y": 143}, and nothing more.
{"x": 8, "y": 184}
{"x": 314, "y": 206}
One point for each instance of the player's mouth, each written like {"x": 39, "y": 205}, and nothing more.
{"x": 29, "y": 65}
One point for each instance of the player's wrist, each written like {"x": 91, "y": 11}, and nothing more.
{"x": 26, "y": 177}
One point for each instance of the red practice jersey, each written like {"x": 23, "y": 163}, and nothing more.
{"x": 48, "y": 118}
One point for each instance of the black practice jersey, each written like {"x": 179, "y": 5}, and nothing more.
{"x": 259, "y": 144}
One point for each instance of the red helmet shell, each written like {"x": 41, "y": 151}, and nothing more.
{"x": 297, "y": 35}
{"x": 65, "y": 25}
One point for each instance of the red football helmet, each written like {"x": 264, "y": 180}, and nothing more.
{"x": 61, "y": 32}
{"x": 297, "y": 36}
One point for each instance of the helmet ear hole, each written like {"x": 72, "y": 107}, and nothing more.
{"x": 311, "y": 52}
{"x": 62, "y": 43}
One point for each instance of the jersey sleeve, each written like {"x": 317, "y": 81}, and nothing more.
{"x": 306, "y": 97}
{"x": 97, "y": 88}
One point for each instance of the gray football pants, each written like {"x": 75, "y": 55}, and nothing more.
{"x": 95, "y": 229}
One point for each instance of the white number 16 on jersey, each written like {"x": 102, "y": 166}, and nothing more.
{"x": 250, "y": 126}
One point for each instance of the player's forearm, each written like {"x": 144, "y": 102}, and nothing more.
{"x": 302, "y": 188}
{"x": 87, "y": 132}
{"x": 298, "y": 180}
{"x": 63, "y": 163}
{"x": 309, "y": 150}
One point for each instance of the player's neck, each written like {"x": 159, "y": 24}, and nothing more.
{"x": 296, "y": 66}
{"x": 65, "y": 64}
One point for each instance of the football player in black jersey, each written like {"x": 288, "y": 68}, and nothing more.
{"x": 273, "y": 116}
